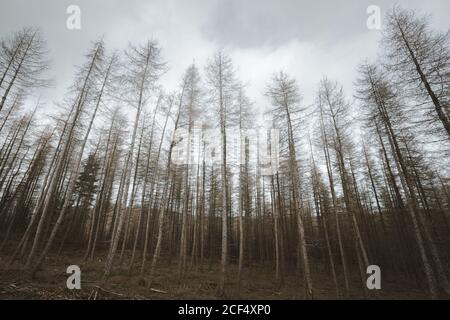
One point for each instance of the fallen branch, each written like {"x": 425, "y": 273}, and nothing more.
{"x": 107, "y": 291}
{"x": 156, "y": 290}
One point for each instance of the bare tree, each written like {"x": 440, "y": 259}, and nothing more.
{"x": 22, "y": 63}
{"x": 420, "y": 57}
{"x": 285, "y": 98}
{"x": 143, "y": 69}
{"x": 221, "y": 84}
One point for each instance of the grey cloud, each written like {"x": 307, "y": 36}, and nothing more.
{"x": 254, "y": 23}
{"x": 191, "y": 29}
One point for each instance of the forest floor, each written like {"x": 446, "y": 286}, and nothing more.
{"x": 258, "y": 283}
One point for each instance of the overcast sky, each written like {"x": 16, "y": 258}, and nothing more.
{"x": 308, "y": 39}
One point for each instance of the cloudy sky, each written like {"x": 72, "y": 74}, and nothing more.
{"x": 308, "y": 39}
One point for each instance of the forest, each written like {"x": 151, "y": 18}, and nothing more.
{"x": 168, "y": 193}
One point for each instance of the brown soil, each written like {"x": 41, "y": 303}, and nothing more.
{"x": 258, "y": 283}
